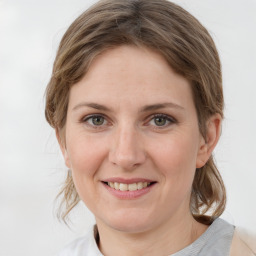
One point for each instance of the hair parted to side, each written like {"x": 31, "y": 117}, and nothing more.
{"x": 175, "y": 34}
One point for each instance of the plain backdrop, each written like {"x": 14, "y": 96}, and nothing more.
{"x": 31, "y": 165}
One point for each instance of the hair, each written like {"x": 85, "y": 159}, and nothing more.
{"x": 185, "y": 44}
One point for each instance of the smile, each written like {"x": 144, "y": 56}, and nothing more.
{"x": 128, "y": 187}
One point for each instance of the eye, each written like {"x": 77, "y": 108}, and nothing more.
{"x": 161, "y": 120}
{"x": 95, "y": 120}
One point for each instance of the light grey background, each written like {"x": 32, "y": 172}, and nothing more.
{"x": 31, "y": 166}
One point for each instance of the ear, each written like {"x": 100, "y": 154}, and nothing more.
{"x": 208, "y": 144}
{"x": 62, "y": 144}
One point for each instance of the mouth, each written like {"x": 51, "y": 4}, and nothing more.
{"x": 129, "y": 187}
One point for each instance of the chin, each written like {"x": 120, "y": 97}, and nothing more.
{"x": 131, "y": 222}
{"x": 128, "y": 227}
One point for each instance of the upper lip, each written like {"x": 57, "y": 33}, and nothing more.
{"x": 127, "y": 181}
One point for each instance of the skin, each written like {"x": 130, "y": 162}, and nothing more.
{"x": 127, "y": 141}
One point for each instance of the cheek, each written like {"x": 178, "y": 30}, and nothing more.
{"x": 176, "y": 163}
{"x": 85, "y": 154}
{"x": 176, "y": 159}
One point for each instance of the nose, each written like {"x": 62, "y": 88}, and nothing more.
{"x": 127, "y": 151}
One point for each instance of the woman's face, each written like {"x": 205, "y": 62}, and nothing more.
{"x": 132, "y": 140}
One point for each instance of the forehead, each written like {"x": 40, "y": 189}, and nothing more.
{"x": 129, "y": 73}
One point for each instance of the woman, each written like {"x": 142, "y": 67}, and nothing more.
{"x": 137, "y": 104}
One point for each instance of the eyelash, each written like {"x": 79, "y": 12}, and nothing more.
{"x": 86, "y": 119}
{"x": 167, "y": 118}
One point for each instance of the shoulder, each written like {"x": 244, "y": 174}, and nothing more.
{"x": 82, "y": 246}
{"x": 215, "y": 241}
{"x": 76, "y": 248}
{"x": 243, "y": 243}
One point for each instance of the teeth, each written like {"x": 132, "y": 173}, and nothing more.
{"x": 123, "y": 187}
{"x": 128, "y": 187}
{"x": 116, "y": 186}
{"x": 140, "y": 185}
{"x": 132, "y": 187}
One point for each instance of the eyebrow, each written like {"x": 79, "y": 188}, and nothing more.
{"x": 143, "y": 109}
{"x": 91, "y": 105}
{"x": 161, "y": 105}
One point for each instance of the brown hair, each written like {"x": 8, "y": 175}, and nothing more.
{"x": 175, "y": 34}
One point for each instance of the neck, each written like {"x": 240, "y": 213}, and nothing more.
{"x": 174, "y": 235}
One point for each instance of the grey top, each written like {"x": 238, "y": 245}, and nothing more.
{"x": 215, "y": 241}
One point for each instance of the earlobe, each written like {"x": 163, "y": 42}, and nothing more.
{"x": 202, "y": 155}
{"x": 212, "y": 137}
{"x": 63, "y": 148}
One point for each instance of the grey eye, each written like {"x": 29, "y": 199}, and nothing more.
{"x": 97, "y": 120}
{"x": 160, "y": 121}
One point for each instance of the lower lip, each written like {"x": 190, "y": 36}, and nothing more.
{"x": 129, "y": 194}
